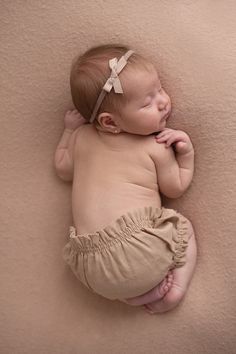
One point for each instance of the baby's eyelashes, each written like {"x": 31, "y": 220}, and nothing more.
{"x": 146, "y": 104}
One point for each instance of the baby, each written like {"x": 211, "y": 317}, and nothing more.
{"x": 124, "y": 245}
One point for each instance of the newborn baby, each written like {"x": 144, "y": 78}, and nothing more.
{"x": 119, "y": 155}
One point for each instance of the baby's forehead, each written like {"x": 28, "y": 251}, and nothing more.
{"x": 138, "y": 81}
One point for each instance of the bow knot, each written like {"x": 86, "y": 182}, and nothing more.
{"x": 113, "y": 80}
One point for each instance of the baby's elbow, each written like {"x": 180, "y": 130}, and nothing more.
{"x": 65, "y": 175}
{"x": 174, "y": 192}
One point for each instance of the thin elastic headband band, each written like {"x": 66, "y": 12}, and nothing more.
{"x": 113, "y": 81}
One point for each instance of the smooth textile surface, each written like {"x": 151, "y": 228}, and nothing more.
{"x": 44, "y": 309}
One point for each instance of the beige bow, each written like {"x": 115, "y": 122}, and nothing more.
{"x": 113, "y": 81}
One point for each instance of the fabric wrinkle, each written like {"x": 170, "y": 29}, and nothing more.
{"x": 130, "y": 256}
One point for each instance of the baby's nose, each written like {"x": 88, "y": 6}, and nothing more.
{"x": 162, "y": 104}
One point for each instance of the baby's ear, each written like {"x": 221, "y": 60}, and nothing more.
{"x": 108, "y": 123}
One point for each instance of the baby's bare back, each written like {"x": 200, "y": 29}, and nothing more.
{"x": 113, "y": 174}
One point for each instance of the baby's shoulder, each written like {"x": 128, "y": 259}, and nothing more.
{"x": 151, "y": 143}
{"x": 84, "y": 132}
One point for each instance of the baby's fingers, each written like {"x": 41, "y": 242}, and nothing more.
{"x": 163, "y": 137}
{"x": 78, "y": 115}
{"x": 168, "y": 139}
{"x": 164, "y": 132}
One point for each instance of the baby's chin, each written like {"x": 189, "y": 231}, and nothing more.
{"x": 156, "y": 132}
{"x": 160, "y": 130}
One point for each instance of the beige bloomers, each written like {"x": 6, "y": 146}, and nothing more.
{"x": 130, "y": 256}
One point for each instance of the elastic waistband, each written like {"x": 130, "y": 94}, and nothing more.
{"x": 121, "y": 229}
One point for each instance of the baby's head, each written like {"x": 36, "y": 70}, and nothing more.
{"x": 91, "y": 71}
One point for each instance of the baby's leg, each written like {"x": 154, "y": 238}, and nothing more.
{"x": 155, "y": 294}
{"x": 181, "y": 279}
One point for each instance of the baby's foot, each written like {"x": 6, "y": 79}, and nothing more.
{"x": 181, "y": 279}
{"x": 155, "y": 294}
{"x": 168, "y": 302}
{"x": 166, "y": 284}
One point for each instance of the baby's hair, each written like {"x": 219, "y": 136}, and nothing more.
{"x": 91, "y": 70}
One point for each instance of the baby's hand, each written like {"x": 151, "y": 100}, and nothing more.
{"x": 73, "y": 120}
{"x": 180, "y": 139}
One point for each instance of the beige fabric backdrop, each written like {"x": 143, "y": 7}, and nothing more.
{"x": 43, "y": 308}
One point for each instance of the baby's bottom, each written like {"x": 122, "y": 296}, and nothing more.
{"x": 168, "y": 294}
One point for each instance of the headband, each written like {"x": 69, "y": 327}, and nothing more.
{"x": 113, "y": 81}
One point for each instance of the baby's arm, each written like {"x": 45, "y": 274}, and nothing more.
{"x": 174, "y": 169}
{"x": 64, "y": 159}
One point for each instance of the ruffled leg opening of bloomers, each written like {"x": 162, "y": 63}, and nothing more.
{"x": 181, "y": 240}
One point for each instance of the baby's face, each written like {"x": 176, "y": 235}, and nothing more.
{"x": 148, "y": 106}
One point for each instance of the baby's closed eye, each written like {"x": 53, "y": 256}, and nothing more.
{"x": 147, "y": 102}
